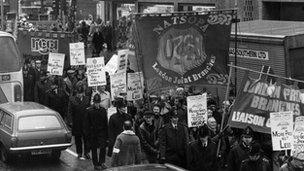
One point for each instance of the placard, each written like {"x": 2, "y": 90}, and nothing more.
{"x": 95, "y": 72}
{"x": 122, "y": 60}
{"x": 298, "y": 136}
{"x": 197, "y": 110}
{"x": 135, "y": 86}
{"x": 77, "y": 55}
{"x": 118, "y": 84}
{"x": 55, "y": 63}
{"x": 281, "y": 124}
{"x": 112, "y": 66}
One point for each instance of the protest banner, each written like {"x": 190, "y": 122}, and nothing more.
{"x": 135, "y": 86}
{"x": 298, "y": 136}
{"x": 197, "y": 110}
{"x": 77, "y": 56}
{"x": 95, "y": 72}
{"x": 112, "y": 65}
{"x": 118, "y": 84}
{"x": 55, "y": 63}
{"x": 257, "y": 98}
{"x": 281, "y": 130}
{"x": 184, "y": 49}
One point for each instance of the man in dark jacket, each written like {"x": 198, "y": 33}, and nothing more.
{"x": 241, "y": 151}
{"x": 173, "y": 142}
{"x": 256, "y": 160}
{"x": 202, "y": 152}
{"x": 97, "y": 41}
{"x": 79, "y": 105}
{"x": 148, "y": 137}
{"x": 97, "y": 128}
{"x": 116, "y": 122}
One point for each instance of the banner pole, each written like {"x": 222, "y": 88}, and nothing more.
{"x": 273, "y": 75}
{"x": 224, "y": 112}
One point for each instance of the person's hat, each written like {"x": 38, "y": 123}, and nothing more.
{"x": 96, "y": 98}
{"x": 203, "y": 131}
{"x": 119, "y": 102}
{"x": 38, "y": 62}
{"x": 247, "y": 132}
{"x": 71, "y": 71}
{"x": 148, "y": 113}
{"x": 255, "y": 149}
{"x": 173, "y": 113}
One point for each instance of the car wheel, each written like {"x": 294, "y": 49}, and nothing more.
{"x": 5, "y": 156}
{"x": 56, "y": 155}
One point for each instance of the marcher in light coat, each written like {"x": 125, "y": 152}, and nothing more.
{"x": 126, "y": 150}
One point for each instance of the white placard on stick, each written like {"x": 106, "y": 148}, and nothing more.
{"x": 112, "y": 66}
{"x": 135, "y": 86}
{"x": 95, "y": 72}
{"x": 118, "y": 84}
{"x": 197, "y": 110}
{"x": 77, "y": 55}
{"x": 298, "y": 136}
{"x": 281, "y": 130}
{"x": 55, "y": 64}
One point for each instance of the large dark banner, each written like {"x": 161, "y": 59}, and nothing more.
{"x": 38, "y": 44}
{"x": 257, "y": 98}
{"x": 179, "y": 49}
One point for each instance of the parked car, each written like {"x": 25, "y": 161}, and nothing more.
{"x": 147, "y": 167}
{"x": 28, "y": 128}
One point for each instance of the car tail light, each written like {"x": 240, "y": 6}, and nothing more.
{"x": 17, "y": 93}
{"x": 14, "y": 141}
{"x": 68, "y": 136}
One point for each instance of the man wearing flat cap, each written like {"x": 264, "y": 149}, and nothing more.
{"x": 149, "y": 137}
{"x": 202, "y": 152}
{"x": 241, "y": 151}
{"x": 173, "y": 142}
{"x": 256, "y": 160}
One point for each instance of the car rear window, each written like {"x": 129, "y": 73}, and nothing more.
{"x": 38, "y": 123}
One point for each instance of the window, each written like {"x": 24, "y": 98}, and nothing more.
{"x": 40, "y": 122}
{"x": 7, "y": 120}
{"x": 9, "y": 55}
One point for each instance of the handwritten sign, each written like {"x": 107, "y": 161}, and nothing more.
{"x": 95, "y": 72}
{"x": 77, "y": 56}
{"x": 135, "y": 86}
{"x": 298, "y": 136}
{"x": 118, "y": 84}
{"x": 281, "y": 124}
{"x": 55, "y": 63}
{"x": 122, "y": 60}
{"x": 197, "y": 110}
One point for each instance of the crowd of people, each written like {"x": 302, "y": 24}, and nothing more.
{"x": 151, "y": 130}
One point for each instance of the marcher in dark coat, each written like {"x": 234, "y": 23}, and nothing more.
{"x": 256, "y": 160}
{"x": 241, "y": 151}
{"x": 202, "y": 153}
{"x": 126, "y": 150}
{"x": 173, "y": 142}
{"x": 108, "y": 35}
{"x": 148, "y": 136}
{"x": 79, "y": 105}
{"x": 97, "y": 41}
{"x": 97, "y": 128}
{"x": 116, "y": 121}
{"x": 29, "y": 82}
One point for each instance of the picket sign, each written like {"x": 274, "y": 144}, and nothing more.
{"x": 77, "y": 54}
{"x": 56, "y": 63}
{"x": 197, "y": 110}
{"x": 95, "y": 72}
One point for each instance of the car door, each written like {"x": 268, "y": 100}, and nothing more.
{"x": 6, "y": 125}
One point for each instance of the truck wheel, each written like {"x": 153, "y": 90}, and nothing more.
{"x": 5, "y": 156}
{"x": 56, "y": 155}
